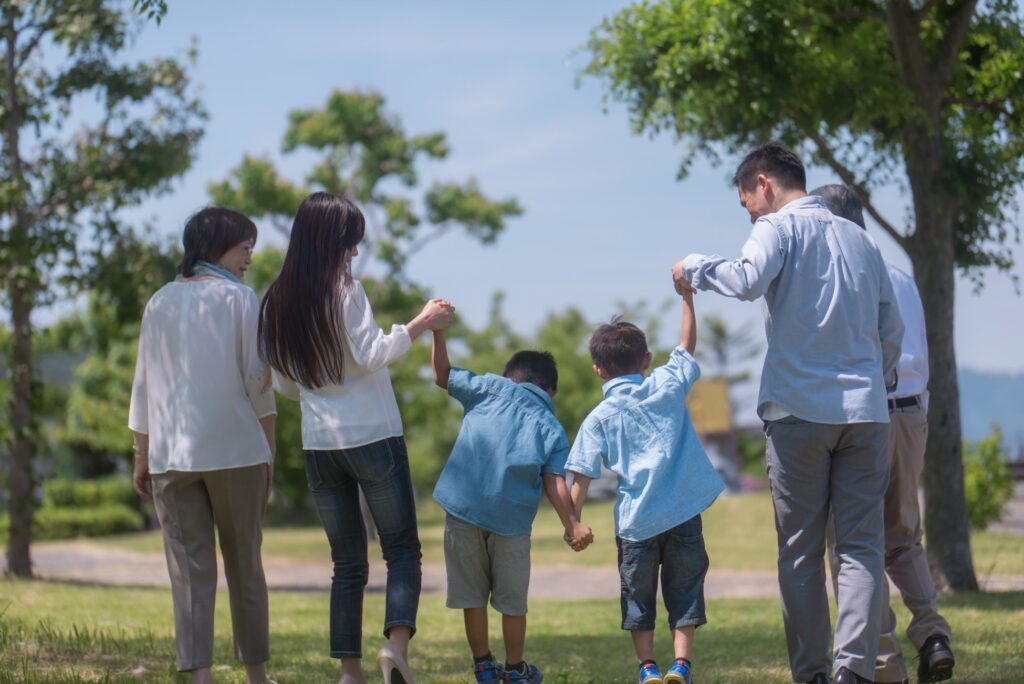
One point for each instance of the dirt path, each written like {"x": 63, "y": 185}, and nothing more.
{"x": 90, "y": 563}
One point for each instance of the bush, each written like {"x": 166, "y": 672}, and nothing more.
{"x": 988, "y": 483}
{"x": 62, "y": 493}
{"x": 68, "y": 523}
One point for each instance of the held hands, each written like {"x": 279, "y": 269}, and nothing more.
{"x": 679, "y": 280}
{"x": 438, "y": 314}
{"x": 579, "y": 537}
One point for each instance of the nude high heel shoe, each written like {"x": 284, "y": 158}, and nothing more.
{"x": 393, "y": 666}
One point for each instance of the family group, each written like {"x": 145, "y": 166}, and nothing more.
{"x": 842, "y": 408}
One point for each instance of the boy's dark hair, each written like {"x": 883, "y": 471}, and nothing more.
{"x": 210, "y": 233}
{"x": 775, "y": 160}
{"x": 533, "y": 366}
{"x": 618, "y": 348}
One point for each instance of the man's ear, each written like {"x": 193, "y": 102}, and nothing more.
{"x": 600, "y": 372}
{"x": 647, "y": 360}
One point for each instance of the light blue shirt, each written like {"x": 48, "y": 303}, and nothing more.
{"x": 832, "y": 320}
{"x": 642, "y": 432}
{"x": 509, "y": 438}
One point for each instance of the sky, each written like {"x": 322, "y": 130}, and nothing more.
{"x": 604, "y": 218}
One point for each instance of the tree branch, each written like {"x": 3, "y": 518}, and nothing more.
{"x": 949, "y": 49}
{"x": 41, "y": 30}
{"x": 865, "y": 196}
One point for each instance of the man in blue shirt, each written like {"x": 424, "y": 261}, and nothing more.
{"x": 642, "y": 432}
{"x": 834, "y": 333}
{"x": 510, "y": 446}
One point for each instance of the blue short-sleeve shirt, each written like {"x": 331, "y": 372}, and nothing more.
{"x": 642, "y": 432}
{"x": 508, "y": 440}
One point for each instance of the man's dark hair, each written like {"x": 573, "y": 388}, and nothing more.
{"x": 842, "y": 201}
{"x": 618, "y": 348}
{"x": 536, "y": 367}
{"x": 774, "y": 160}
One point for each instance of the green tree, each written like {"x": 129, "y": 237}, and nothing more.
{"x": 365, "y": 154}
{"x": 84, "y": 136}
{"x": 924, "y": 94}
{"x": 726, "y": 346}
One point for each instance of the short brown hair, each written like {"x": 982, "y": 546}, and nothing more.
{"x": 618, "y": 348}
{"x": 775, "y": 160}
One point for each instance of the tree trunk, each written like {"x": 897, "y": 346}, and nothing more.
{"x": 946, "y": 520}
{"x": 18, "y": 281}
{"x": 19, "y": 560}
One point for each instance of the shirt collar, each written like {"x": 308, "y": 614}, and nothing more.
{"x": 614, "y": 383}
{"x": 809, "y": 201}
{"x": 539, "y": 393}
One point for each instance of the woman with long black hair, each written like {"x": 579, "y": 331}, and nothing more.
{"x": 327, "y": 352}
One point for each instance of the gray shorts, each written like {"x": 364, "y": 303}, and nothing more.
{"x": 482, "y": 564}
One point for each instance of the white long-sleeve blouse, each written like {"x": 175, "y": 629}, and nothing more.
{"x": 361, "y": 409}
{"x": 200, "y": 386}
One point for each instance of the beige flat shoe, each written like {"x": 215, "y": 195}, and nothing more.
{"x": 393, "y": 666}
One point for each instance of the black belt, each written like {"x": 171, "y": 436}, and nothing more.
{"x": 904, "y": 402}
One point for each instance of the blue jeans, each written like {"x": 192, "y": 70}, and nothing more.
{"x": 381, "y": 470}
{"x": 680, "y": 556}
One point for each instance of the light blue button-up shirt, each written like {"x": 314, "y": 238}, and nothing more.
{"x": 508, "y": 440}
{"x": 642, "y": 432}
{"x": 832, "y": 320}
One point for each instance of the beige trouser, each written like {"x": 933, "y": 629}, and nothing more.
{"x": 188, "y": 504}
{"x": 906, "y": 562}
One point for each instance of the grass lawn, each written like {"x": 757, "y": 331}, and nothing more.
{"x": 739, "y": 531}
{"x": 67, "y": 633}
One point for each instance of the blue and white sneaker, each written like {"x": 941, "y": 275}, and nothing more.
{"x": 679, "y": 673}
{"x": 533, "y": 675}
{"x": 488, "y": 671}
{"x": 649, "y": 673}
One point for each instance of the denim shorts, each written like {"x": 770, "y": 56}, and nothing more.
{"x": 683, "y": 561}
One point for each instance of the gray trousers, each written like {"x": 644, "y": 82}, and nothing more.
{"x": 905, "y": 559}
{"x": 811, "y": 468}
{"x": 188, "y": 504}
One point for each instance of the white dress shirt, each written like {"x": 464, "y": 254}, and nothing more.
{"x": 831, "y": 317}
{"x": 913, "y": 366}
{"x": 200, "y": 387}
{"x": 361, "y": 409}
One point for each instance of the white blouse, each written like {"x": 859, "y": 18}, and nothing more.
{"x": 362, "y": 409}
{"x": 200, "y": 387}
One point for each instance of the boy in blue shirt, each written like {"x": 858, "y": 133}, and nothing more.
{"x": 510, "y": 446}
{"x": 642, "y": 432}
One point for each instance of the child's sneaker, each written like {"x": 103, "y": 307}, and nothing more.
{"x": 533, "y": 675}
{"x": 488, "y": 671}
{"x": 649, "y": 673}
{"x": 679, "y": 673}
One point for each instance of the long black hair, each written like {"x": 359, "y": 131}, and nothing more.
{"x": 301, "y": 326}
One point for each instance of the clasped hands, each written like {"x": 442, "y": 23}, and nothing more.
{"x": 579, "y": 537}
{"x": 680, "y": 281}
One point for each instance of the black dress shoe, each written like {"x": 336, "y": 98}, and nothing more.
{"x": 820, "y": 678}
{"x": 848, "y": 676}
{"x": 936, "y": 660}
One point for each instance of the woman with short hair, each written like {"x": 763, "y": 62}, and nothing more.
{"x": 318, "y": 332}
{"x": 202, "y": 415}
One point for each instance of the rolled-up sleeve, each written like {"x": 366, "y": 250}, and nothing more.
{"x": 466, "y": 386}
{"x": 255, "y": 371}
{"x": 746, "y": 278}
{"x": 138, "y": 411}
{"x": 370, "y": 347}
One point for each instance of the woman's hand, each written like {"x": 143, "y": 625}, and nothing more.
{"x": 439, "y": 314}
{"x": 141, "y": 479}
{"x": 270, "y": 481}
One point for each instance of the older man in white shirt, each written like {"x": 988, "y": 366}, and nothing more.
{"x": 905, "y": 560}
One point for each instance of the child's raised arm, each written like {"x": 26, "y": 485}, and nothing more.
{"x": 439, "y": 360}
{"x": 577, "y": 534}
{"x": 688, "y": 333}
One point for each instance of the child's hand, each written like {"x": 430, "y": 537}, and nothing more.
{"x": 579, "y": 537}
{"x": 439, "y": 314}
{"x": 681, "y": 283}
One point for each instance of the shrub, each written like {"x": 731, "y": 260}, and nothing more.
{"x": 61, "y": 493}
{"x": 68, "y": 523}
{"x": 988, "y": 483}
